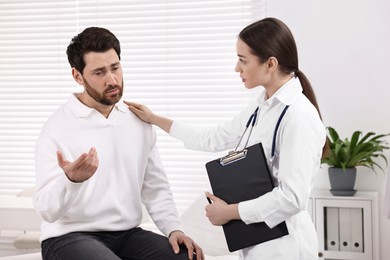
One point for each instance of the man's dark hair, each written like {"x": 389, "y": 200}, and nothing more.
{"x": 91, "y": 39}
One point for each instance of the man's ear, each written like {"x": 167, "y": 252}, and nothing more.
{"x": 78, "y": 77}
{"x": 272, "y": 63}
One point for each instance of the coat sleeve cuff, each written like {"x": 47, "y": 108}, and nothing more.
{"x": 251, "y": 212}
{"x": 178, "y": 130}
{"x": 247, "y": 214}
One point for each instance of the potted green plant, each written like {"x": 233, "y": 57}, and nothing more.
{"x": 345, "y": 155}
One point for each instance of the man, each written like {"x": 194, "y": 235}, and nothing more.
{"x": 96, "y": 163}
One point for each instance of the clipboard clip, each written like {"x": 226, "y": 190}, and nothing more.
{"x": 233, "y": 156}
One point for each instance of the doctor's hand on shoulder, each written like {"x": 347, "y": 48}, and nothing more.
{"x": 142, "y": 111}
{"x": 146, "y": 115}
{"x": 219, "y": 212}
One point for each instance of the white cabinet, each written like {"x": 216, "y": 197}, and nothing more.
{"x": 347, "y": 226}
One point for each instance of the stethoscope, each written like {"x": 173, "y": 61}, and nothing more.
{"x": 251, "y": 122}
{"x": 239, "y": 154}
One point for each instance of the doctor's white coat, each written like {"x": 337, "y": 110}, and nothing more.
{"x": 300, "y": 139}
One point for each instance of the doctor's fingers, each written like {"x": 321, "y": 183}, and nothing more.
{"x": 142, "y": 111}
{"x": 136, "y": 107}
{"x": 213, "y": 197}
{"x": 133, "y": 104}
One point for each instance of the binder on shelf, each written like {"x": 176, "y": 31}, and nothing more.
{"x": 332, "y": 229}
{"x": 357, "y": 230}
{"x": 241, "y": 176}
{"x": 345, "y": 229}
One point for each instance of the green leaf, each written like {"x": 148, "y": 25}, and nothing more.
{"x": 358, "y": 151}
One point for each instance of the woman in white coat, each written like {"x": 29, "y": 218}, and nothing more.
{"x": 267, "y": 57}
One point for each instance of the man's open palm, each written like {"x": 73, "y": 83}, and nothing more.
{"x": 81, "y": 169}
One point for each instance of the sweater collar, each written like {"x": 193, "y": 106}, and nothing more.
{"x": 81, "y": 110}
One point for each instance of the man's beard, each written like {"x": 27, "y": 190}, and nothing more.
{"x": 103, "y": 98}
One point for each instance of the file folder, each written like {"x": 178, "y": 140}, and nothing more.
{"x": 332, "y": 229}
{"x": 239, "y": 177}
{"x": 357, "y": 229}
{"x": 345, "y": 229}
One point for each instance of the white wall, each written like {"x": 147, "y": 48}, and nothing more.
{"x": 344, "y": 49}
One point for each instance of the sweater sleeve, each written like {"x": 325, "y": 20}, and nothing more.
{"x": 157, "y": 195}
{"x": 55, "y": 193}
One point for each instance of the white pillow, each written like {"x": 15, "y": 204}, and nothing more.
{"x": 197, "y": 226}
{"x": 32, "y": 256}
{"x": 29, "y": 240}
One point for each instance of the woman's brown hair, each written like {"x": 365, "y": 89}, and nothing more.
{"x": 271, "y": 37}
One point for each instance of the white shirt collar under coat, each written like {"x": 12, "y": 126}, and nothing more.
{"x": 286, "y": 94}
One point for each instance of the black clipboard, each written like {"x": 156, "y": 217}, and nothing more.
{"x": 242, "y": 176}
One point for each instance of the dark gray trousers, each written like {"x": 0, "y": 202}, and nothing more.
{"x": 134, "y": 244}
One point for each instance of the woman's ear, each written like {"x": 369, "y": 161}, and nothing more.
{"x": 272, "y": 63}
{"x": 78, "y": 77}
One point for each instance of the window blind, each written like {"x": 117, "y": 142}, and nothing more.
{"x": 178, "y": 58}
